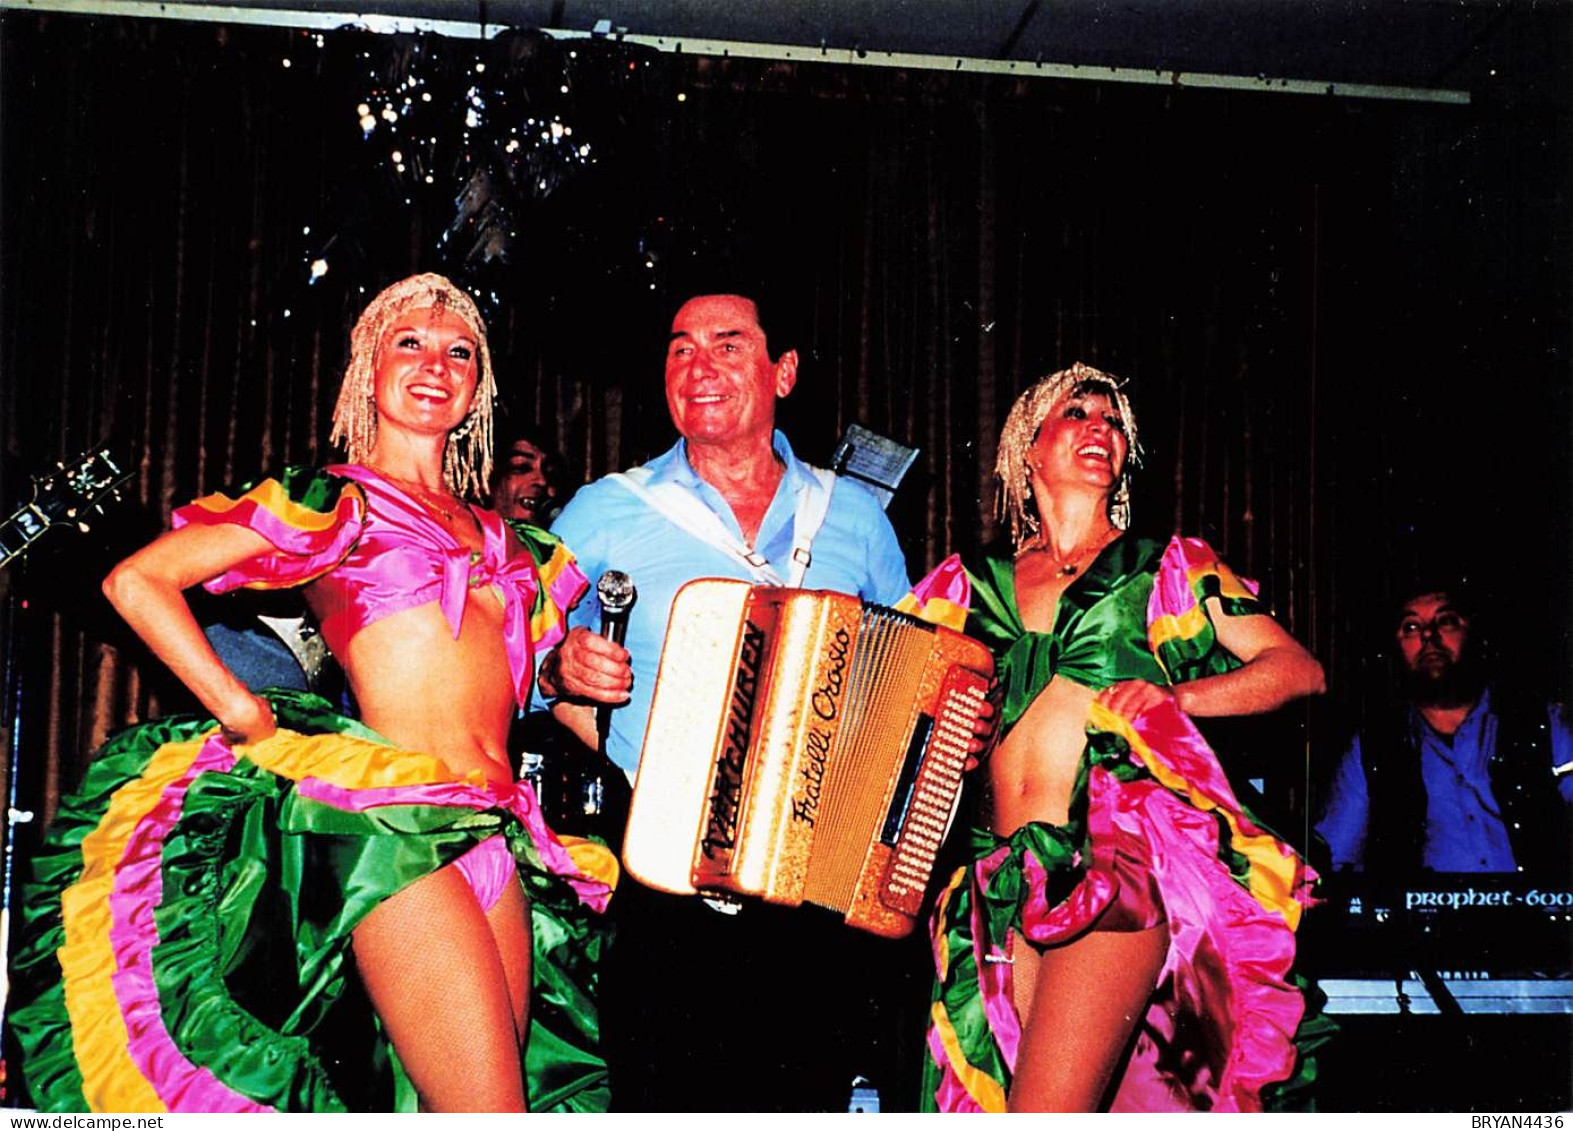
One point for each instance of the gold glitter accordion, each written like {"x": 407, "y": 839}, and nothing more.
{"x": 803, "y": 747}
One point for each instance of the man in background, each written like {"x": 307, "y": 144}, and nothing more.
{"x": 527, "y": 479}
{"x": 1463, "y": 773}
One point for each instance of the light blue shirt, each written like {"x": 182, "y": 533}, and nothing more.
{"x": 607, "y": 526}
{"x": 1464, "y": 829}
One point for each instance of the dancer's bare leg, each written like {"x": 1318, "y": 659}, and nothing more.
{"x": 436, "y": 976}
{"x": 509, "y": 919}
{"x": 1079, "y": 1005}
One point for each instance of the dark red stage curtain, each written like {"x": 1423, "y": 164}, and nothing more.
{"x": 1345, "y": 324}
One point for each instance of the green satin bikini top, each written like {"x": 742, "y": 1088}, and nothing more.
{"x": 1113, "y": 622}
{"x": 1100, "y": 626}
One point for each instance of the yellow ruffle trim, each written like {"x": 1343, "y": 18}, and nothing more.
{"x": 1272, "y": 873}
{"x": 111, "y": 1080}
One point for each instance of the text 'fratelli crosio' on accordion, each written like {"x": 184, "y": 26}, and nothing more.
{"x": 803, "y": 746}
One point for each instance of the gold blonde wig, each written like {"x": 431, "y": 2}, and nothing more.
{"x": 467, "y": 458}
{"x": 1021, "y": 429}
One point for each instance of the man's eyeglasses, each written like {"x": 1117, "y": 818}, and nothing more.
{"x": 1411, "y": 628}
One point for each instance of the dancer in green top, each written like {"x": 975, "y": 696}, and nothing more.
{"x": 1124, "y": 936}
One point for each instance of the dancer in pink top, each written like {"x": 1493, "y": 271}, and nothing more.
{"x": 304, "y": 912}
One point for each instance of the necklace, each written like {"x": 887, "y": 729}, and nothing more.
{"x": 438, "y": 501}
{"x": 1071, "y": 564}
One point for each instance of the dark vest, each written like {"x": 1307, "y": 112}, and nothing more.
{"x": 1521, "y": 782}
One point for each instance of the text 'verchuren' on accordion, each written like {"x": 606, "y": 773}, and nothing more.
{"x": 803, "y": 747}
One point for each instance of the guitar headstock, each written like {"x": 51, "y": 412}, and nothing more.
{"x": 71, "y": 493}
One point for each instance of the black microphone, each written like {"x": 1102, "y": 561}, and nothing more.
{"x": 616, "y": 592}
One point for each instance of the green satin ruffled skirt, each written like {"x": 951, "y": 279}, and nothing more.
{"x": 184, "y": 943}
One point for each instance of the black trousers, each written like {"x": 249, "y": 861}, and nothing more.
{"x": 771, "y": 1009}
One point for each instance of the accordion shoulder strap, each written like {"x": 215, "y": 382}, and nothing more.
{"x": 812, "y": 506}
{"x": 683, "y": 509}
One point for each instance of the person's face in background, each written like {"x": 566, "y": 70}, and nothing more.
{"x": 1433, "y": 642}
{"x": 525, "y": 484}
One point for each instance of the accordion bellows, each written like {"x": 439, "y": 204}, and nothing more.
{"x": 803, "y": 747}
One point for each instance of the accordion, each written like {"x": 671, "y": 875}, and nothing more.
{"x": 803, "y": 747}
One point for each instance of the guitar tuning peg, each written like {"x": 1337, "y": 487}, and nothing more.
{"x": 83, "y": 527}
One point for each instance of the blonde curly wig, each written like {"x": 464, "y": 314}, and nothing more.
{"x": 1021, "y": 429}
{"x": 467, "y": 458}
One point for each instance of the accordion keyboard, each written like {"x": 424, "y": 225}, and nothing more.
{"x": 920, "y": 827}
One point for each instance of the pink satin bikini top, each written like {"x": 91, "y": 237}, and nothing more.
{"x": 405, "y": 558}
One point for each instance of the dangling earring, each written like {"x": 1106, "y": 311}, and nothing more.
{"x": 1120, "y": 505}
{"x": 463, "y": 429}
